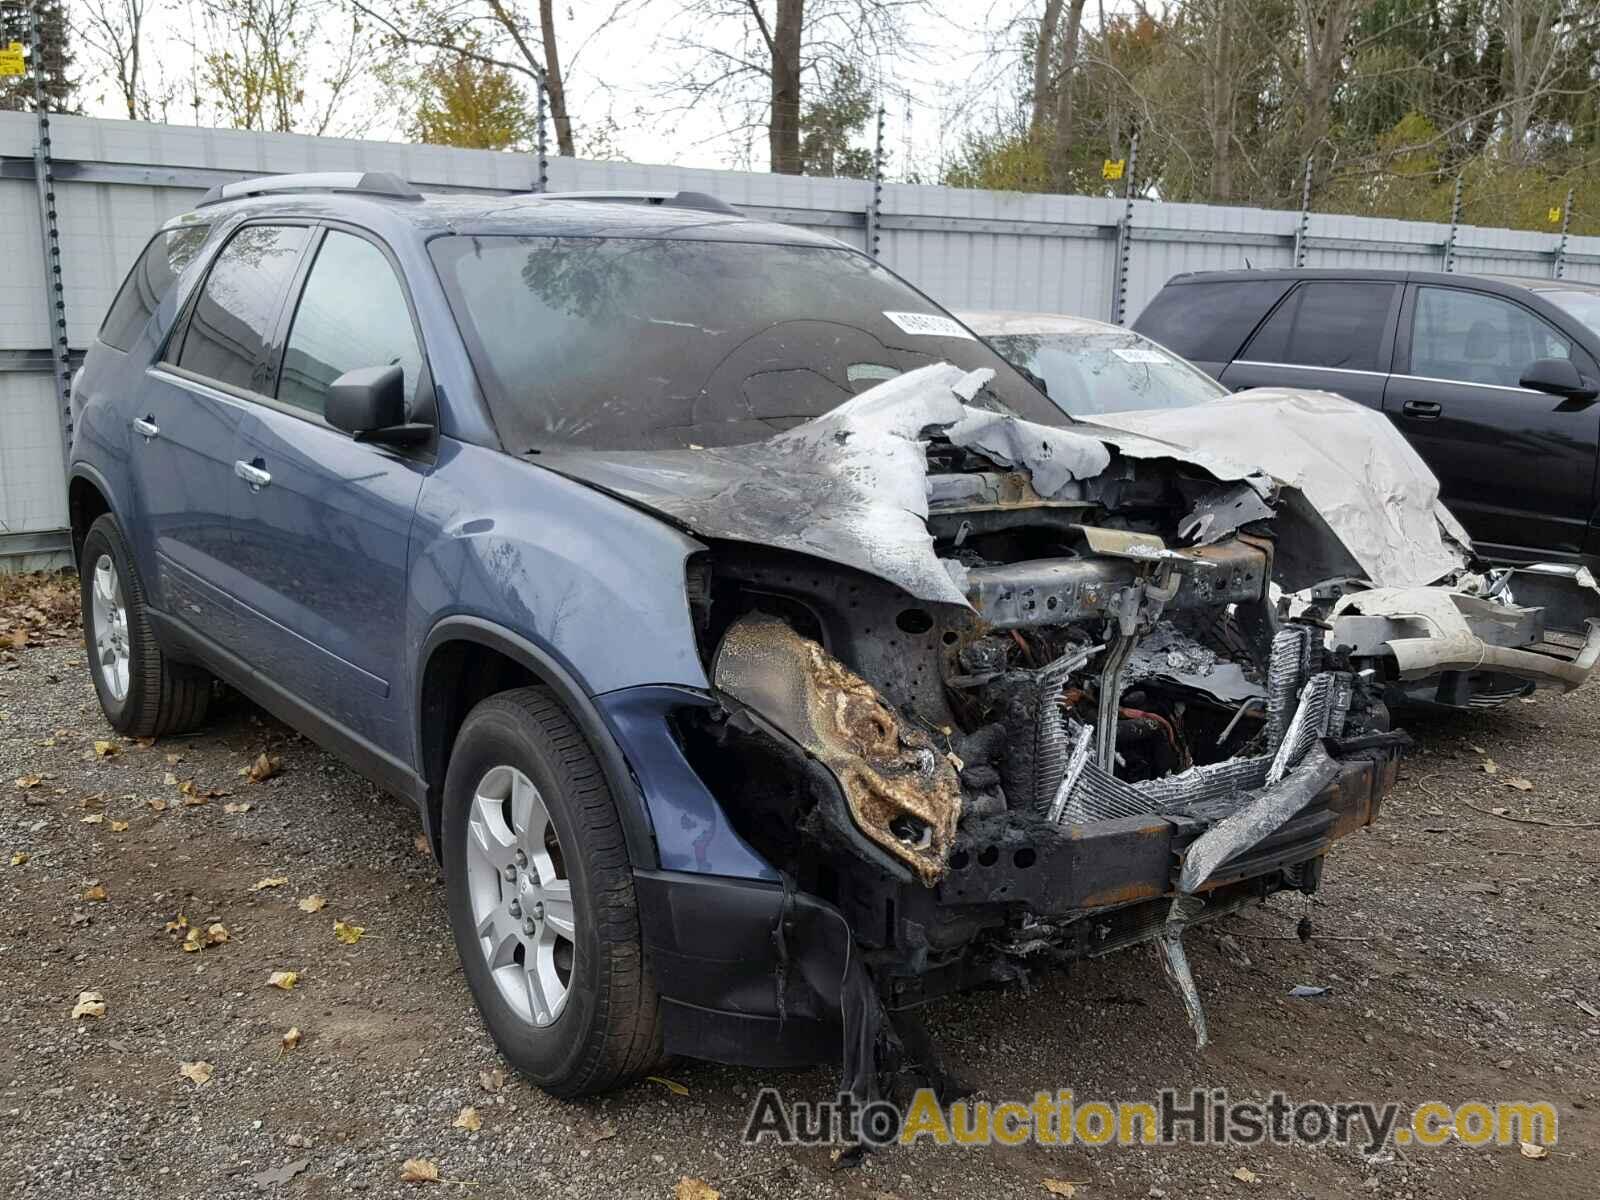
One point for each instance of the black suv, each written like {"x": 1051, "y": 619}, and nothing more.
{"x": 1492, "y": 380}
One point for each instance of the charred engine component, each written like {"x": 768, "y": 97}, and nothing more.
{"x": 1056, "y": 591}
{"x": 902, "y": 789}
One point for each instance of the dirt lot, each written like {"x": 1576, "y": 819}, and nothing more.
{"x": 1460, "y": 946}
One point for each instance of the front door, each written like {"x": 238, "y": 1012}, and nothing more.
{"x": 323, "y": 522}
{"x": 187, "y": 419}
{"x": 1516, "y": 466}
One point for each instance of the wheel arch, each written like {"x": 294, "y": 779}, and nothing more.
{"x": 88, "y": 498}
{"x": 466, "y": 659}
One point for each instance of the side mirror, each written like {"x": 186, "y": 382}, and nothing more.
{"x": 1558, "y": 377}
{"x": 369, "y": 403}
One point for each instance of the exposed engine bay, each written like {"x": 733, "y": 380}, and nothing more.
{"x": 1008, "y": 695}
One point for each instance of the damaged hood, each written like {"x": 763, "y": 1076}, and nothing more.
{"x": 1358, "y": 472}
{"x": 851, "y": 486}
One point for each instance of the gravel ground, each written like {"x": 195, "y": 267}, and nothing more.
{"x": 1460, "y": 947}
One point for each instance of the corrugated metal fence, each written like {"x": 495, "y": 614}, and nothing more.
{"x": 115, "y": 181}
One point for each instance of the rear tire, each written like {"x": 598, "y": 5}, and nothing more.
{"x": 142, "y": 692}
{"x": 537, "y": 875}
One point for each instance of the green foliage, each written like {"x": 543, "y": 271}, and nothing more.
{"x": 16, "y": 92}
{"x": 831, "y": 122}
{"x": 463, "y": 102}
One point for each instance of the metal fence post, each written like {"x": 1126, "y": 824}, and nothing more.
{"x": 875, "y": 202}
{"x": 50, "y": 234}
{"x": 541, "y": 179}
{"x": 1119, "y": 290}
{"x": 1455, "y": 224}
{"x": 1561, "y": 246}
{"x": 1304, "y": 228}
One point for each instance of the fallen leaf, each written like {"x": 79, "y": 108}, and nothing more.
{"x": 420, "y": 841}
{"x": 90, "y": 1004}
{"x": 271, "y": 881}
{"x": 158, "y": 804}
{"x": 690, "y": 1188}
{"x": 468, "y": 1119}
{"x": 1533, "y": 1150}
{"x": 96, "y": 893}
{"x": 283, "y": 980}
{"x": 1518, "y": 782}
{"x": 264, "y": 767}
{"x": 312, "y": 904}
{"x": 20, "y": 857}
{"x": 119, "y": 827}
{"x": 237, "y": 806}
{"x": 291, "y": 1039}
{"x": 1489, "y": 766}
{"x": 347, "y": 933}
{"x": 1061, "y": 1187}
{"x": 93, "y": 819}
{"x": 216, "y": 933}
{"x": 672, "y": 1085}
{"x": 492, "y": 1081}
{"x": 173, "y": 760}
{"x": 106, "y": 749}
{"x": 1246, "y": 1175}
{"x": 97, "y": 800}
{"x": 604, "y": 1134}
{"x": 418, "y": 1170}
{"x": 192, "y": 940}
{"x": 29, "y": 781}
{"x": 274, "y": 1176}
{"x": 197, "y": 1072}
{"x": 170, "y": 779}
{"x": 1475, "y": 749}
{"x": 178, "y": 924}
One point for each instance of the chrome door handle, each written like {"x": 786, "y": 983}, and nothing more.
{"x": 251, "y": 474}
{"x": 146, "y": 427}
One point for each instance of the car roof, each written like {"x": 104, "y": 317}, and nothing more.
{"x": 527, "y": 213}
{"x": 1506, "y": 282}
{"x": 999, "y": 324}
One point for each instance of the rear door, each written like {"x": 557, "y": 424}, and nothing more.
{"x": 1334, "y": 335}
{"x": 187, "y": 422}
{"x": 1516, "y": 466}
{"x": 323, "y": 522}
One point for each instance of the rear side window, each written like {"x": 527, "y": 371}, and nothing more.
{"x": 1208, "y": 322}
{"x": 152, "y": 277}
{"x": 238, "y": 306}
{"x": 1330, "y": 324}
{"x": 351, "y": 314}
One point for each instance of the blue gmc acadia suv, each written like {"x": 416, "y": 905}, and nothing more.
{"x": 764, "y": 656}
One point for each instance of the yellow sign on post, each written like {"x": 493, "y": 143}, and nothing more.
{"x": 1112, "y": 168}
{"x": 1554, "y": 216}
{"x": 11, "y": 60}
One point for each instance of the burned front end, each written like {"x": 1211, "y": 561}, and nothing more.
{"x": 987, "y": 698}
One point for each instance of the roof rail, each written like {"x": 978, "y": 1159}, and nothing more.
{"x": 371, "y": 183}
{"x": 699, "y": 200}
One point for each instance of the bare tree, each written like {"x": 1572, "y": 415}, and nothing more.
{"x": 1062, "y": 149}
{"x": 1044, "y": 67}
{"x": 1323, "y": 28}
{"x": 113, "y": 29}
{"x": 1531, "y": 29}
{"x": 489, "y": 32}
{"x": 730, "y": 48}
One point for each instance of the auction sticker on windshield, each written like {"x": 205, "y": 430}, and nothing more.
{"x": 1137, "y": 354}
{"x": 928, "y": 324}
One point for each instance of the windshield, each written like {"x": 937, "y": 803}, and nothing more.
{"x": 1105, "y": 371}
{"x": 1583, "y": 305}
{"x": 655, "y": 343}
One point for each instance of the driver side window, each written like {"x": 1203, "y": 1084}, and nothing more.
{"x": 351, "y": 314}
{"x": 1470, "y": 337}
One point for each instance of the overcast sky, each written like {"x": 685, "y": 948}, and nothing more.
{"x": 956, "y": 70}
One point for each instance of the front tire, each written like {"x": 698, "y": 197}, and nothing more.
{"x": 142, "y": 692}
{"x": 541, "y": 899}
